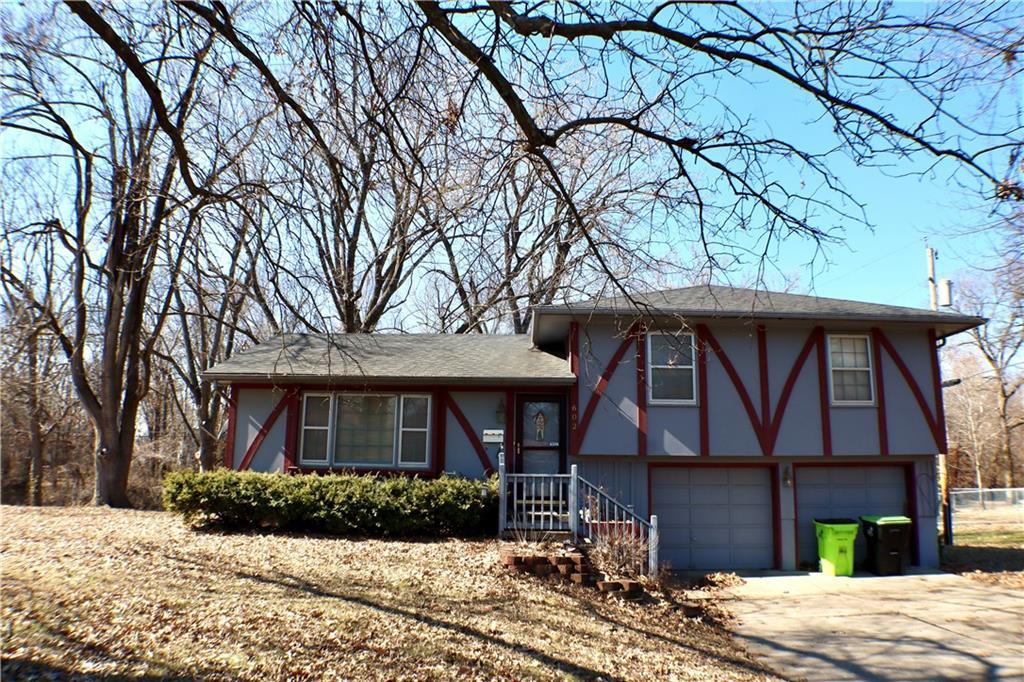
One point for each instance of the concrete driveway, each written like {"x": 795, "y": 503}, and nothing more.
{"x": 916, "y": 627}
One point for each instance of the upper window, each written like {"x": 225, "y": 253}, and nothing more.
{"x": 364, "y": 430}
{"x": 850, "y": 368}
{"x": 671, "y": 369}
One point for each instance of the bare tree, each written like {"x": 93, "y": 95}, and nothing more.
{"x": 95, "y": 253}
{"x": 999, "y": 343}
{"x": 975, "y": 433}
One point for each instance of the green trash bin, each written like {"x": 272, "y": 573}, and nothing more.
{"x": 888, "y": 540}
{"x": 835, "y": 545}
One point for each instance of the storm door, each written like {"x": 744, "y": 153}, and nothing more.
{"x": 540, "y": 441}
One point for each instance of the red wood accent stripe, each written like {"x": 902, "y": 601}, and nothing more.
{"x": 936, "y": 428}
{"x": 775, "y": 423}
{"x": 291, "y": 433}
{"x": 776, "y": 518}
{"x": 940, "y": 410}
{"x": 574, "y": 391}
{"x": 823, "y": 402}
{"x": 702, "y": 394}
{"x": 915, "y": 539}
{"x": 762, "y": 367}
{"x": 439, "y": 401}
{"x": 511, "y": 461}
{"x": 474, "y": 440}
{"x": 641, "y": 394}
{"x": 737, "y": 383}
{"x": 883, "y": 427}
{"x": 384, "y": 387}
{"x": 229, "y": 444}
{"x": 264, "y": 430}
{"x": 602, "y": 384}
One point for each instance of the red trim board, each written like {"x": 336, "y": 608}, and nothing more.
{"x": 229, "y": 444}
{"x": 883, "y": 426}
{"x": 404, "y": 388}
{"x": 702, "y": 395}
{"x": 440, "y": 416}
{"x": 291, "y": 434}
{"x": 762, "y": 367}
{"x": 641, "y": 394}
{"x": 574, "y": 391}
{"x": 823, "y": 402}
{"x": 940, "y": 410}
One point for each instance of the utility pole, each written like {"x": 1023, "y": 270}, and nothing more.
{"x": 933, "y": 295}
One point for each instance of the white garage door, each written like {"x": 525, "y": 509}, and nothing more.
{"x": 850, "y": 492}
{"x": 714, "y": 517}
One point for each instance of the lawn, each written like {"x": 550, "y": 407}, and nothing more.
{"x": 988, "y": 545}
{"x": 95, "y": 592}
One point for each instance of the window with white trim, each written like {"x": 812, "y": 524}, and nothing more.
{"x": 671, "y": 369}
{"x": 413, "y": 440}
{"x": 316, "y": 428}
{"x": 366, "y": 430}
{"x": 849, "y": 357}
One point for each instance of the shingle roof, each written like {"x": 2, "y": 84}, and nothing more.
{"x": 720, "y": 301}
{"x": 396, "y": 358}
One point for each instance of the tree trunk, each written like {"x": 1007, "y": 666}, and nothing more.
{"x": 1010, "y": 476}
{"x": 35, "y": 446}
{"x": 207, "y": 445}
{"x": 976, "y": 458}
{"x": 112, "y": 465}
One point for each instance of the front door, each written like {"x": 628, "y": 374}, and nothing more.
{"x": 539, "y": 436}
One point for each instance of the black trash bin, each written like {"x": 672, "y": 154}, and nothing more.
{"x": 888, "y": 540}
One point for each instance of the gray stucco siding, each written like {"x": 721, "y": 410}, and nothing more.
{"x": 673, "y": 430}
{"x": 908, "y": 428}
{"x": 613, "y": 427}
{"x": 854, "y": 430}
{"x": 730, "y": 430}
{"x": 480, "y": 410}
{"x": 253, "y": 408}
{"x": 800, "y": 428}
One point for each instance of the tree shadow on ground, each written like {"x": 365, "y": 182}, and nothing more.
{"x": 295, "y": 583}
{"x": 961, "y": 558}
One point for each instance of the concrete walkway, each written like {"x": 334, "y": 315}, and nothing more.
{"x": 916, "y": 627}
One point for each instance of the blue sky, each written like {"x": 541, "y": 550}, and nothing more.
{"x": 907, "y": 201}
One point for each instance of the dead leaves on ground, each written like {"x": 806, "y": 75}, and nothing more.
{"x": 95, "y": 592}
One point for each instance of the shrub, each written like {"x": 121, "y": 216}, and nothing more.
{"x": 339, "y": 504}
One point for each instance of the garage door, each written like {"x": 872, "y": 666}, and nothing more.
{"x": 834, "y": 492}
{"x": 714, "y": 517}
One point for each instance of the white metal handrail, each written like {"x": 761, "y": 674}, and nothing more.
{"x": 570, "y": 503}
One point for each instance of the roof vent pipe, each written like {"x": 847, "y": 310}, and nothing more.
{"x": 945, "y": 293}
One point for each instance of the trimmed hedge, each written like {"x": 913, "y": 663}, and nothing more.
{"x": 338, "y": 504}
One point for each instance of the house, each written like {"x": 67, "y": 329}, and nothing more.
{"x": 736, "y": 416}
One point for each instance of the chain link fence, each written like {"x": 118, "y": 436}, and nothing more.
{"x": 989, "y": 516}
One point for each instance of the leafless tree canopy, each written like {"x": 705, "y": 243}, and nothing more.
{"x": 192, "y": 177}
